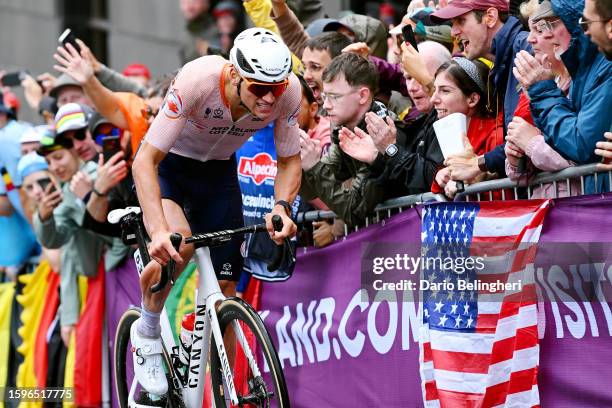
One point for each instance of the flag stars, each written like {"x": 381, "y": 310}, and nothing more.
{"x": 443, "y": 320}
{"x": 438, "y": 307}
{"x": 454, "y": 308}
{"x": 466, "y": 309}
{"x": 469, "y": 322}
{"x": 458, "y": 321}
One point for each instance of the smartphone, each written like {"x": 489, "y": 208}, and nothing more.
{"x": 111, "y": 145}
{"x": 68, "y": 37}
{"x": 409, "y": 36}
{"x": 44, "y": 182}
{"x": 13, "y": 78}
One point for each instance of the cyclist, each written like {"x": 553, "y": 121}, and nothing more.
{"x": 185, "y": 169}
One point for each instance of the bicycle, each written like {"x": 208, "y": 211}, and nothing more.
{"x": 214, "y": 314}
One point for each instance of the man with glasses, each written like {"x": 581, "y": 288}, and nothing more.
{"x": 571, "y": 124}
{"x": 484, "y": 29}
{"x": 596, "y": 21}
{"x": 185, "y": 170}
{"x": 349, "y": 83}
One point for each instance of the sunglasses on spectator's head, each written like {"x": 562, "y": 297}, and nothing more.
{"x": 103, "y": 130}
{"x": 261, "y": 89}
{"x": 544, "y": 26}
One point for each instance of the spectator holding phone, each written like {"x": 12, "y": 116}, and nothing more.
{"x": 34, "y": 171}
{"x": 403, "y": 164}
{"x": 58, "y": 224}
{"x": 484, "y": 29}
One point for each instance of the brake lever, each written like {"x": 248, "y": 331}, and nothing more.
{"x": 168, "y": 271}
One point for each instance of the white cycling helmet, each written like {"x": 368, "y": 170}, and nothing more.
{"x": 261, "y": 55}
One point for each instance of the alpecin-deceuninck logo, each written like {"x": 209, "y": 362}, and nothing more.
{"x": 259, "y": 167}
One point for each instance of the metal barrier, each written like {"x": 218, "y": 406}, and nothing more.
{"x": 395, "y": 205}
{"x": 565, "y": 175}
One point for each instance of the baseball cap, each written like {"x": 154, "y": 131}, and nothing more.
{"x": 321, "y": 25}
{"x": 95, "y": 121}
{"x": 543, "y": 10}
{"x": 63, "y": 81}
{"x": 72, "y": 116}
{"x": 51, "y": 142}
{"x": 459, "y": 7}
{"x": 225, "y": 7}
{"x": 31, "y": 163}
{"x": 34, "y": 134}
{"x": 12, "y": 101}
{"x": 137, "y": 69}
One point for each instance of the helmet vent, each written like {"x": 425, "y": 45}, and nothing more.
{"x": 242, "y": 61}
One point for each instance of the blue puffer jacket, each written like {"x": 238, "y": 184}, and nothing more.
{"x": 509, "y": 40}
{"x": 573, "y": 125}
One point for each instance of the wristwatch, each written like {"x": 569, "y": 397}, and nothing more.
{"x": 482, "y": 164}
{"x": 285, "y": 205}
{"x": 391, "y": 150}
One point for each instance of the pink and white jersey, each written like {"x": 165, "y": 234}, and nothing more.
{"x": 195, "y": 120}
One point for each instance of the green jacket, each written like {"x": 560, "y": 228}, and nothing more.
{"x": 328, "y": 181}
{"x": 81, "y": 248}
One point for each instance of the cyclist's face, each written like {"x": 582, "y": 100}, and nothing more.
{"x": 259, "y": 105}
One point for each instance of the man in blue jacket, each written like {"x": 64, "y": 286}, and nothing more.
{"x": 571, "y": 125}
{"x": 485, "y": 29}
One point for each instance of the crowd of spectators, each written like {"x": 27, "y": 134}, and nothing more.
{"x": 534, "y": 85}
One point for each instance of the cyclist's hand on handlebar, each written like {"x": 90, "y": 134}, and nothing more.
{"x": 289, "y": 227}
{"x": 161, "y": 248}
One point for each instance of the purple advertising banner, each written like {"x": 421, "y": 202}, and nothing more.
{"x": 344, "y": 346}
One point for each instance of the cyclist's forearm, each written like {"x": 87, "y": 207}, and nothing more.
{"x": 288, "y": 178}
{"x": 144, "y": 171}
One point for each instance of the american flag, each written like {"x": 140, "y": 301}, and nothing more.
{"x": 480, "y": 349}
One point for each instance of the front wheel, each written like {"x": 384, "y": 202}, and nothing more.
{"x": 267, "y": 390}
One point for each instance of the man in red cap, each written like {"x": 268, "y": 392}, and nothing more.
{"x": 484, "y": 29}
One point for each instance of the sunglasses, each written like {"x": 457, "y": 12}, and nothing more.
{"x": 261, "y": 89}
{"x": 80, "y": 134}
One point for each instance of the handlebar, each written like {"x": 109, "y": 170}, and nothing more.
{"x": 220, "y": 237}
